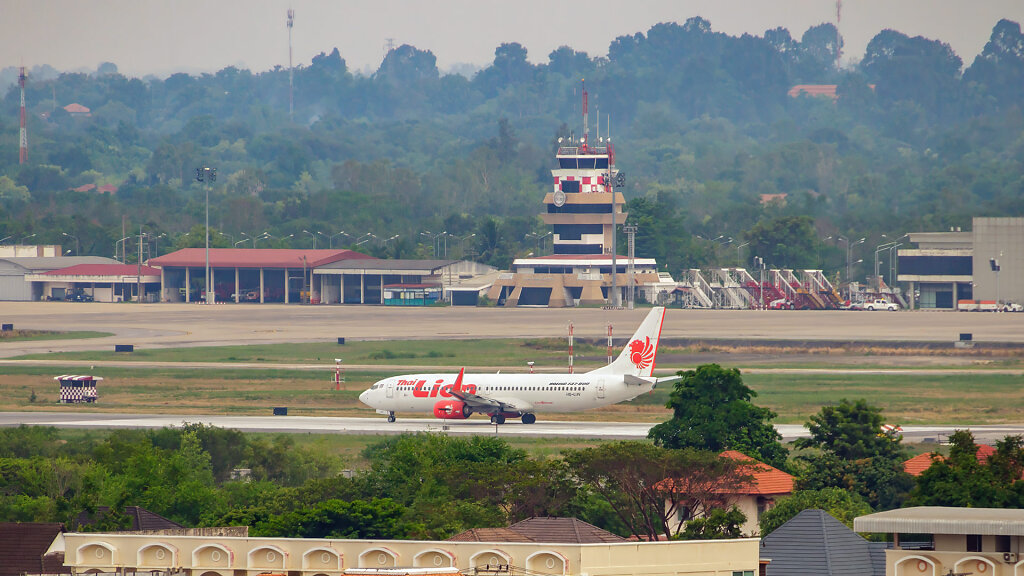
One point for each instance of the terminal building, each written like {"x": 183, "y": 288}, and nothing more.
{"x": 985, "y": 263}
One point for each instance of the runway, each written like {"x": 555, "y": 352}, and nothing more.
{"x": 183, "y": 325}
{"x": 472, "y": 426}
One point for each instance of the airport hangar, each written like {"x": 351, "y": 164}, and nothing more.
{"x": 323, "y": 276}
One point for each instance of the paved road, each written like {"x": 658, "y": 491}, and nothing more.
{"x": 473, "y": 426}
{"x": 179, "y": 325}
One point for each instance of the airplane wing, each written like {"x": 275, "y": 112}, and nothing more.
{"x": 482, "y": 403}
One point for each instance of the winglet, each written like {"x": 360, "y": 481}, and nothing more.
{"x": 457, "y": 387}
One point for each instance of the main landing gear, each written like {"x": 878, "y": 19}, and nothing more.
{"x": 391, "y": 416}
{"x": 527, "y": 417}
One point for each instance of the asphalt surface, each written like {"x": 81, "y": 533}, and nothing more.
{"x": 472, "y": 426}
{"x": 182, "y": 325}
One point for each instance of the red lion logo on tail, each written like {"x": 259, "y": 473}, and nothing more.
{"x": 641, "y": 353}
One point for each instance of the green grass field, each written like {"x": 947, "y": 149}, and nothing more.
{"x": 906, "y": 399}
{"x": 26, "y": 335}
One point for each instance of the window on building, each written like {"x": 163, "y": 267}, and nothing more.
{"x": 974, "y": 543}
{"x": 742, "y": 573}
{"x": 570, "y": 186}
{"x": 1002, "y": 543}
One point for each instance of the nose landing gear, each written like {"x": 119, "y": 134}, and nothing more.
{"x": 391, "y": 416}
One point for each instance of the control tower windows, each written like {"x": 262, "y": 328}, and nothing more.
{"x": 570, "y": 186}
{"x": 580, "y": 209}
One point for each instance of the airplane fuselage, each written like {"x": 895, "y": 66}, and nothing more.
{"x": 526, "y": 392}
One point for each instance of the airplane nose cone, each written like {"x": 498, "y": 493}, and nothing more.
{"x": 362, "y": 397}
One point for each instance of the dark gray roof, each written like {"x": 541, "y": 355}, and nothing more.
{"x": 43, "y": 264}
{"x": 388, "y": 265}
{"x": 813, "y": 543}
{"x": 944, "y": 520}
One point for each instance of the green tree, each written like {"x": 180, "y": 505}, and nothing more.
{"x": 961, "y": 480}
{"x": 841, "y": 504}
{"x": 654, "y": 490}
{"x": 712, "y": 411}
{"x": 719, "y": 524}
{"x": 852, "y": 452}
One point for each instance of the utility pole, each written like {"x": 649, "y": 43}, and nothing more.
{"x": 209, "y": 176}
{"x": 630, "y": 231}
{"x": 138, "y": 275}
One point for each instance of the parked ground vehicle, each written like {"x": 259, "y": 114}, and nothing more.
{"x": 1012, "y": 307}
{"x": 881, "y": 304}
{"x": 781, "y": 304}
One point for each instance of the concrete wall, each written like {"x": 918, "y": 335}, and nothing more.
{"x": 225, "y": 556}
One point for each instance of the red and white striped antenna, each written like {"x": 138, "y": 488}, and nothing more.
{"x": 586, "y": 113}
{"x": 570, "y": 347}
{"x": 609, "y": 343}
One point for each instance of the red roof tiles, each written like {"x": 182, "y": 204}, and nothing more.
{"x": 918, "y": 464}
{"x": 766, "y": 479}
{"x": 255, "y": 257}
{"x": 827, "y": 90}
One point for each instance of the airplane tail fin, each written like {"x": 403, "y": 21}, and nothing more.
{"x": 640, "y": 353}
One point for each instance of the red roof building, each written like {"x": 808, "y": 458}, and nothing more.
{"x": 96, "y": 282}
{"x": 255, "y": 257}
{"x": 823, "y": 90}
{"x": 754, "y": 496}
{"x": 918, "y": 464}
{"x": 76, "y": 109}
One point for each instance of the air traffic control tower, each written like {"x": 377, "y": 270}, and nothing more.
{"x": 584, "y": 211}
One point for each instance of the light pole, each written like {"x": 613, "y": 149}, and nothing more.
{"x": 434, "y": 238}
{"x": 313, "y": 235}
{"x": 75, "y": 238}
{"x": 331, "y": 238}
{"x": 122, "y": 251}
{"x": 739, "y": 253}
{"x": 22, "y": 241}
{"x": 246, "y": 239}
{"x": 6, "y": 238}
{"x": 462, "y": 249}
{"x": 263, "y": 236}
{"x": 242, "y": 241}
{"x": 849, "y": 252}
{"x": 759, "y": 262}
{"x": 230, "y": 237}
{"x": 365, "y": 238}
{"x": 208, "y": 175}
{"x": 892, "y": 260}
{"x": 156, "y": 244}
{"x": 880, "y": 248}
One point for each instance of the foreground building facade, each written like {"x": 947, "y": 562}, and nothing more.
{"x": 226, "y": 556}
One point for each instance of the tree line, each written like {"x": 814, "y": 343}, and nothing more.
{"x": 427, "y": 486}
{"x": 703, "y": 123}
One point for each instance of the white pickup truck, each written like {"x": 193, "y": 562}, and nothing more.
{"x": 881, "y": 304}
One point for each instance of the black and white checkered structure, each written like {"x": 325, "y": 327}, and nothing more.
{"x": 77, "y": 389}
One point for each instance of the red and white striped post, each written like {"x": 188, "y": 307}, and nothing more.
{"x": 337, "y": 373}
{"x": 609, "y": 343}
{"x": 570, "y": 347}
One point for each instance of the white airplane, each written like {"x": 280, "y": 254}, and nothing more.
{"x": 501, "y": 396}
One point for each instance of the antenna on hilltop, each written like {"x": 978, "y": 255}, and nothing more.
{"x": 291, "y": 71}
{"x": 839, "y": 38}
{"x": 389, "y": 45}
{"x": 23, "y": 134}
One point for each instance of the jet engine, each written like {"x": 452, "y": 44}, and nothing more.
{"x": 451, "y": 409}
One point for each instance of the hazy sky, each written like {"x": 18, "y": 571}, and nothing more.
{"x": 151, "y": 36}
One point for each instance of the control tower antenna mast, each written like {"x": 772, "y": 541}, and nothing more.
{"x": 291, "y": 71}
{"x": 23, "y": 135}
{"x": 586, "y": 110}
